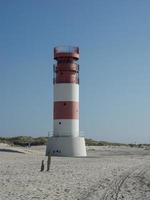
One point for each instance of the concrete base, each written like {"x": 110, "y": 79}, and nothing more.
{"x": 66, "y": 146}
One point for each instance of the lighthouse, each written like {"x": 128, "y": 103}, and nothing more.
{"x": 65, "y": 140}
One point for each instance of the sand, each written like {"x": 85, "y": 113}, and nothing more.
{"x": 107, "y": 173}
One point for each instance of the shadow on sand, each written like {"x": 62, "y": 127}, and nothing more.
{"x": 11, "y": 150}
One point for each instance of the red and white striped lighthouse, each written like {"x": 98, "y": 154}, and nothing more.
{"x": 65, "y": 140}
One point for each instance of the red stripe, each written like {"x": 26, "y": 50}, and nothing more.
{"x": 73, "y": 67}
{"x": 67, "y": 77}
{"x": 66, "y": 110}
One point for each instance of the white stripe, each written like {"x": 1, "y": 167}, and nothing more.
{"x": 66, "y": 92}
{"x": 68, "y": 127}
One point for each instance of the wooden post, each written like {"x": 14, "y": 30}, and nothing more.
{"x": 48, "y": 162}
{"x": 42, "y": 166}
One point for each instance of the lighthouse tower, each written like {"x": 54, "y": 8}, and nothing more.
{"x": 66, "y": 140}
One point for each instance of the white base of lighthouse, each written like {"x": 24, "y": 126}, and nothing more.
{"x": 66, "y": 146}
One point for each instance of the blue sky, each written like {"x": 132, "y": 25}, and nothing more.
{"x": 114, "y": 41}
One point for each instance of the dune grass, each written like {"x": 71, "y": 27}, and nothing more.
{"x": 34, "y": 141}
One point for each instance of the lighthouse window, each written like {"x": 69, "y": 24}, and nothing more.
{"x": 65, "y": 104}
{"x": 59, "y": 122}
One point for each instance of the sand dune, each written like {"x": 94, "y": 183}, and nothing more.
{"x": 7, "y": 148}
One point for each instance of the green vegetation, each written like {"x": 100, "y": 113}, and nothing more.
{"x": 24, "y": 140}
{"x": 91, "y": 142}
{"x": 28, "y": 140}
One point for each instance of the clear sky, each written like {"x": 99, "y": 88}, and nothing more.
{"x": 114, "y": 41}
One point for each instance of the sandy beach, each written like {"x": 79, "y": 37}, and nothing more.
{"x": 107, "y": 173}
